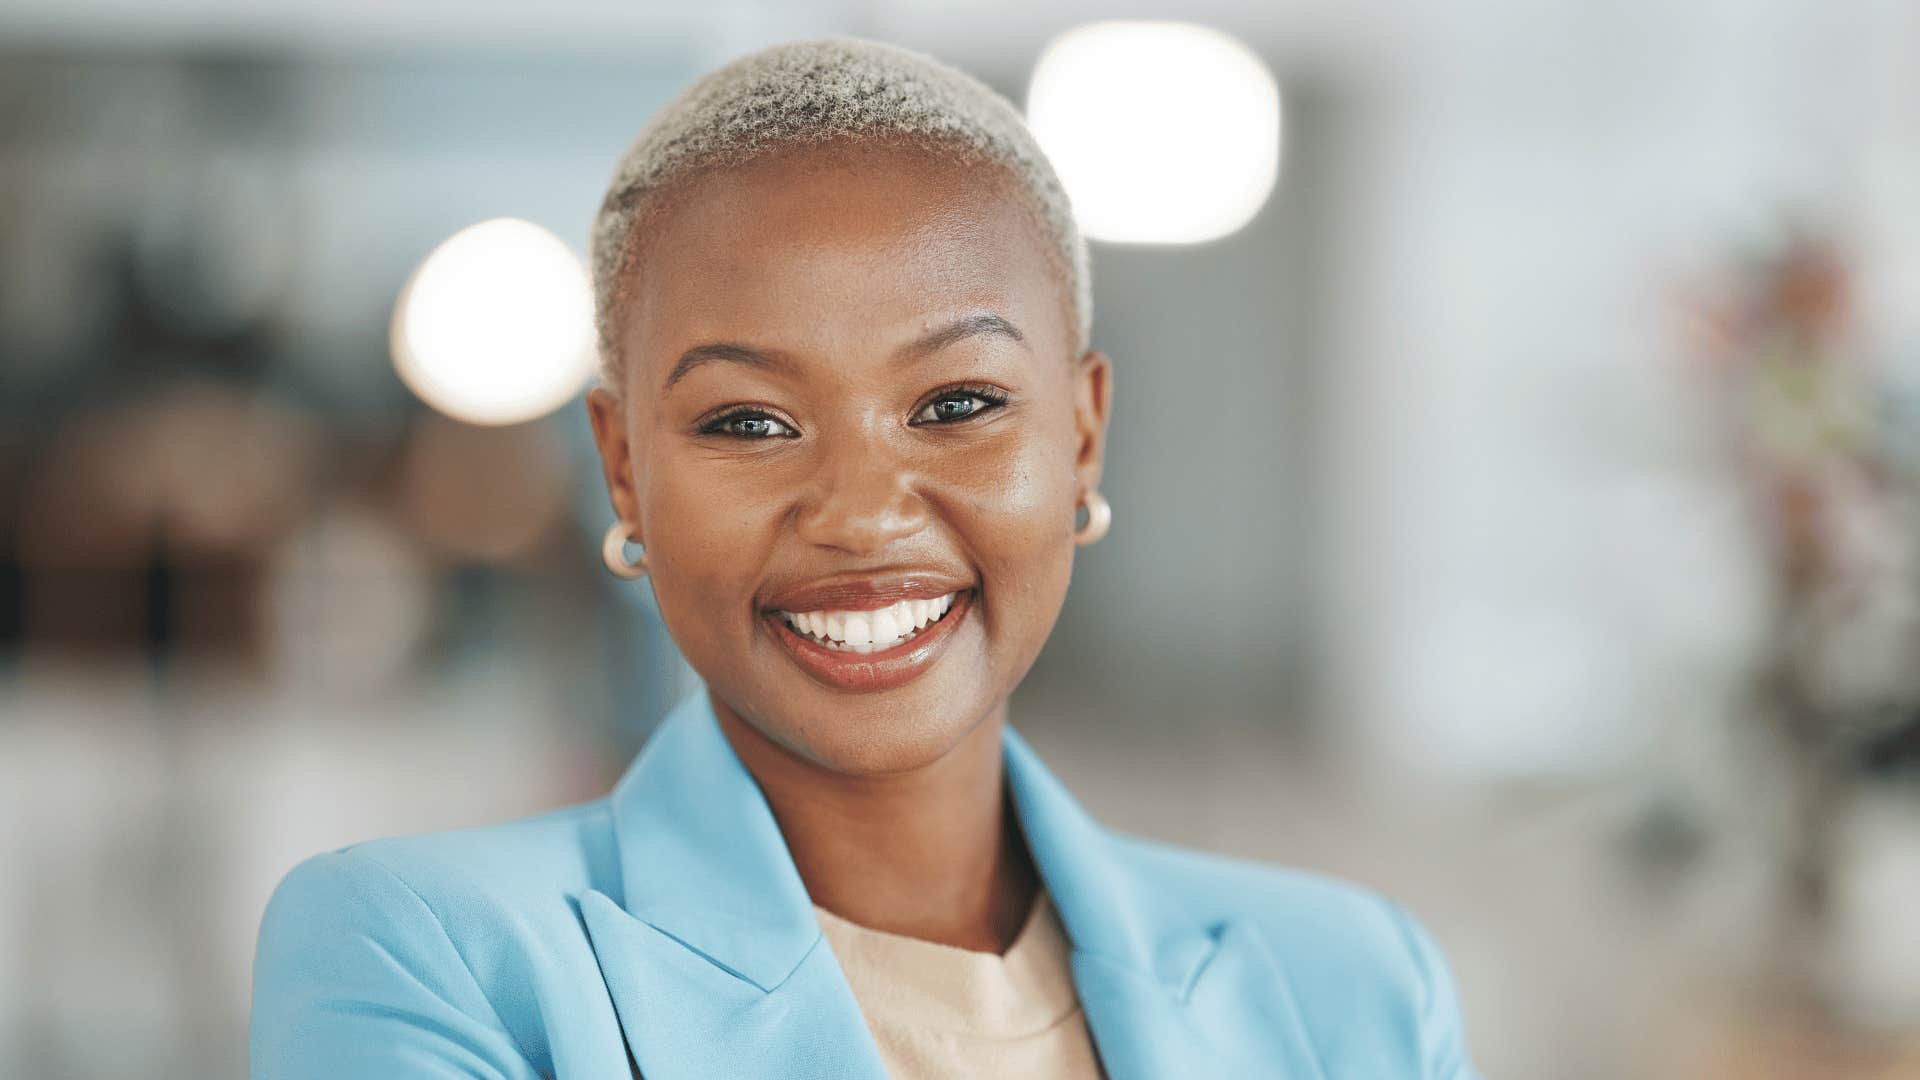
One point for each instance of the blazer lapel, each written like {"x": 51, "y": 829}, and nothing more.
{"x": 716, "y": 964}
{"x": 686, "y": 1015}
{"x": 714, "y": 957}
{"x": 1168, "y": 989}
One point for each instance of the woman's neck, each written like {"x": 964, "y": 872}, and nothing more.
{"x": 934, "y": 853}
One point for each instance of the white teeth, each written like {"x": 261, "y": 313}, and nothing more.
{"x": 870, "y": 631}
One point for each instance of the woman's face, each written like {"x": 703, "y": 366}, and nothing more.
{"x": 851, "y": 431}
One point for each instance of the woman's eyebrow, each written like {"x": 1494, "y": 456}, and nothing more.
{"x": 984, "y": 322}
{"x": 964, "y": 327}
{"x": 727, "y": 351}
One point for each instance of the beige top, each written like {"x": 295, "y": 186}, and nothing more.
{"x": 939, "y": 1012}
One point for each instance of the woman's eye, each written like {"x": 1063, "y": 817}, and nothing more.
{"x": 955, "y": 406}
{"x": 751, "y": 426}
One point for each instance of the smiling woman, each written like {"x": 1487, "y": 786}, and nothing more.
{"x": 848, "y": 377}
{"x": 849, "y": 413}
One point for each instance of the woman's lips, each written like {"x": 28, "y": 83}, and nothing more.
{"x": 866, "y": 593}
{"x": 881, "y": 670}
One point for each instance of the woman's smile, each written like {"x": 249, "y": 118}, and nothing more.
{"x": 869, "y": 635}
{"x": 869, "y": 631}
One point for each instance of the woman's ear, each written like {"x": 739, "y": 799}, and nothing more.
{"x": 608, "y": 416}
{"x": 1093, "y": 379}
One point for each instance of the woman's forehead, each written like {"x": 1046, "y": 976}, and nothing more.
{"x": 840, "y": 249}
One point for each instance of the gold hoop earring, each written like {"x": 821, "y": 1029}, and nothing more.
{"x": 613, "y": 551}
{"x": 1099, "y": 518}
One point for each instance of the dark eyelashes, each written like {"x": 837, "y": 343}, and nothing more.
{"x": 723, "y": 423}
{"x": 717, "y": 425}
{"x": 987, "y": 392}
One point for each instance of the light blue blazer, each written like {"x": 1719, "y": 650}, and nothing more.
{"x": 664, "y": 928}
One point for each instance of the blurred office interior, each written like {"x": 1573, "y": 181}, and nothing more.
{"x": 1517, "y": 490}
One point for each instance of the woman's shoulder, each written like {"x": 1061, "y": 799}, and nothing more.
{"x": 1348, "y": 950}
{"x": 452, "y": 925}
{"x": 472, "y": 887}
{"x": 528, "y": 859}
{"x": 466, "y": 873}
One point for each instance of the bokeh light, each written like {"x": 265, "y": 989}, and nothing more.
{"x": 496, "y": 325}
{"x": 1162, "y": 132}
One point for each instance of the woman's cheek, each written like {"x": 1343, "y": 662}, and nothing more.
{"x": 711, "y": 527}
{"x": 1020, "y": 526}
{"x": 1031, "y": 491}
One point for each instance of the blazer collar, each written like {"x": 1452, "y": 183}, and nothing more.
{"x": 701, "y": 857}
{"x": 713, "y": 906}
{"x": 1168, "y": 988}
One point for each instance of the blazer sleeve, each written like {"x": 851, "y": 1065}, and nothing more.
{"x": 1443, "y": 1039}
{"x": 354, "y": 976}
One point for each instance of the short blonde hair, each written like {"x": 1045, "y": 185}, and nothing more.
{"x": 814, "y": 91}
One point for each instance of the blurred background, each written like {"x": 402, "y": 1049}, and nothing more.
{"x": 1516, "y": 467}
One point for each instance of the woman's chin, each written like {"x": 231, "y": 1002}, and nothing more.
{"x": 876, "y": 734}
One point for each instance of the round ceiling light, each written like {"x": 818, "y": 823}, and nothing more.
{"x": 1161, "y": 132}
{"x": 496, "y": 324}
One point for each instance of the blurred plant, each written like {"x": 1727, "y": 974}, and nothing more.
{"x": 1825, "y": 443}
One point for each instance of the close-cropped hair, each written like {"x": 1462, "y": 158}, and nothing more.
{"x": 810, "y": 92}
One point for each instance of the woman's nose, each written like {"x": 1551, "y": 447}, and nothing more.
{"x": 862, "y": 501}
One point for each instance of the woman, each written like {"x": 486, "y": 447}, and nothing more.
{"x": 849, "y": 417}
